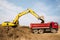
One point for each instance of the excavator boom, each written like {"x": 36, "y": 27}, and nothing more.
{"x": 26, "y": 12}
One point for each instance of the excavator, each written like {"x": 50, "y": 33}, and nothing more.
{"x": 15, "y": 22}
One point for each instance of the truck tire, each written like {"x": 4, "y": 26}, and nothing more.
{"x": 53, "y": 30}
{"x": 35, "y": 31}
{"x": 41, "y": 31}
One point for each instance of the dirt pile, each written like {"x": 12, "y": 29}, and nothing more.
{"x": 24, "y": 33}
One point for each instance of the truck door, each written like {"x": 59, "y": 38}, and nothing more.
{"x": 54, "y": 25}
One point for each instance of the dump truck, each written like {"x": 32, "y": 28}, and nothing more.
{"x": 41, "y": 27}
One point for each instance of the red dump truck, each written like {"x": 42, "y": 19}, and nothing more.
{"x": 41, "y": 27}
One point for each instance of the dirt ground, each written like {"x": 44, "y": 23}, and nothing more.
{"x": 24, "y": 33}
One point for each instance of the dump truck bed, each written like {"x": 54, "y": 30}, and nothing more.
{"x": 40, "y": 25}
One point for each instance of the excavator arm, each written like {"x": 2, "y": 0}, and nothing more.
{"x": 26, "y": 12}
{"x": 37, "y": 16}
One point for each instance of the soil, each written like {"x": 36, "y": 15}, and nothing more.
{"x": 24, "y": 33}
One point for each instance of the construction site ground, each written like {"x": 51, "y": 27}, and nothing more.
{"x": 24, "y": 33}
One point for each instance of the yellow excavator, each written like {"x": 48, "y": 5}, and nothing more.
{"x": 15, "y": 22}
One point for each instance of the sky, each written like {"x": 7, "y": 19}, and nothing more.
{"x": 50, "y": 9}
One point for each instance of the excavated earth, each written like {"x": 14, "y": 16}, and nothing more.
{"x": 24, "y": 33}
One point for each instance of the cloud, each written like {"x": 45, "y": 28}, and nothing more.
{"x": 28, "y": 19}
{"x": 42, "y": 9}
{"x": 52, "y": 19}
{"x": 8, "y": 10}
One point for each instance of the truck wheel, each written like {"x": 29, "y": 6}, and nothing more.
{"x": 53, "y": 31}
{"x": 41, "y": 31}
{"x": 35, "y": 31}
